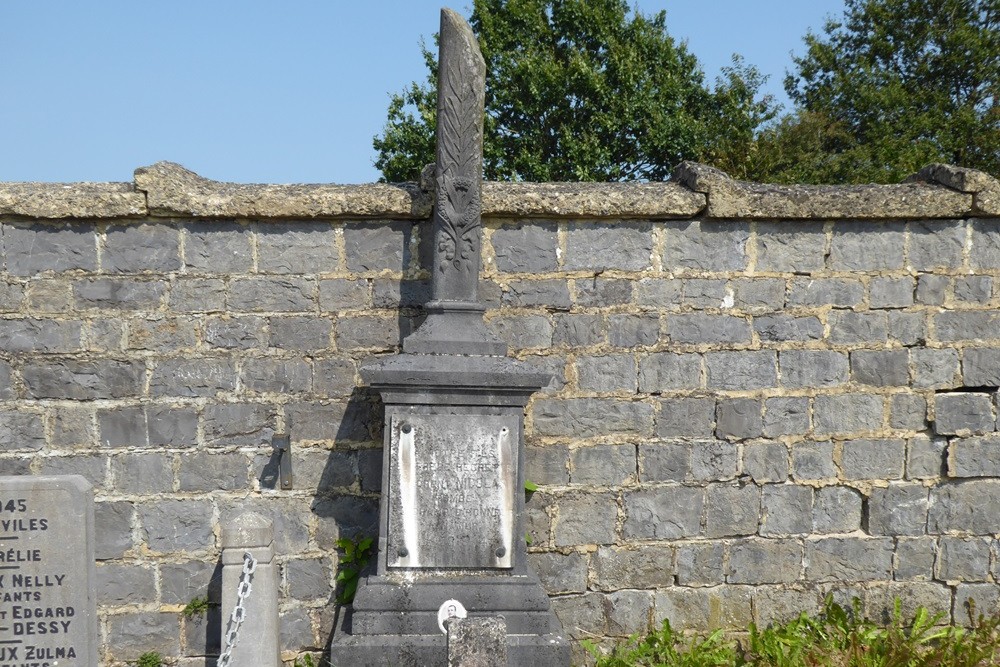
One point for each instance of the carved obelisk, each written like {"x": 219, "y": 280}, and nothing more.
{"x": 451, "y": 537}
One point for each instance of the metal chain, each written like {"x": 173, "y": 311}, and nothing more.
{"x": 240, "y": 610}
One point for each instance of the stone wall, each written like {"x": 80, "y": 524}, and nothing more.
{"x": 762, "y": 394}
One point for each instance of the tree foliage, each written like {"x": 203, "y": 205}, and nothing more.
{"x": 889, "y": 87}
{"x": 584, "y": 90}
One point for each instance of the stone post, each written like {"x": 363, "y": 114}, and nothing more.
{"x": 258, "y": 642}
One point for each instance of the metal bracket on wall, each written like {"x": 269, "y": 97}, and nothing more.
{"x": 282, "y": 444}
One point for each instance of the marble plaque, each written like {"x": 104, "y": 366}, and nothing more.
{"x": 451, "y": 490}
{"x": 48, "y": 608}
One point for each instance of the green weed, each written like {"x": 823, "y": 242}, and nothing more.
{"x": 357, "y": 552}
{"x": 150, "y": 659}
{"x": 196, "y": 606}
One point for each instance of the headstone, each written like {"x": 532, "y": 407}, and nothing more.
{"x": 48, "y": 604}
{"x": 477, "y": 642}
{"x": 452, "y": 507}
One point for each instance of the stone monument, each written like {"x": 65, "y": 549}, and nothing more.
{"x": 48, "y": 604}
{"x": 451, "y": 537}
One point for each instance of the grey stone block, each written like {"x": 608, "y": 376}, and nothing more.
{"x": 847, "y": 413}
{"x": 72, "y": 426}
{"x": 334, "y": 377}
{"x": 18, "y": 466}
{"x": 36, "y": 335}
{"x": 299, "y": 333}
{"x": 738, "y": 418}
{"x": 29, "y": 250}
{"x": 780, "y": 327}
{"x": 664, "y": 462}
{"x": 880, "y": 368}
{"x": 378, "y": 247}
{"x": 849, "y": 559}
{"x": 969, "y": 506}
{"x": 706, "y": 293}
{"x": 985, "y": 250}
{"x": 330, "y": 422}
{"x": 936, "y": 244}
{"x": 628, "y": 612}
{"x": 899, "y": 509}
{"x": 182, "y": 582}
{"x": 886, "y": 292}
{"x": 701, "y": 328}
{"x": 836, "y": 292}
{"x": 932, "y": 290}
{"x": 701, "y": 563}
{"x": 549, "y": 293}
{"x": 581, "y": 616}
{"x": 660, "y": 371}
{"x": 218, "y": 247}
{"x": 915, "y": 558}
{"x": 343, "y": 516}
{"x": 813, "y": 368}
{"x": 112, "y": 528}
{"x": 605, "y": 465}
{"x": 141, "y": 247}
{"x": 578, "y": 329}
{"x": 316, "y": 468}
{"x": 758, "y": 294}
{"x": 526, "y": 248}
{"x": 706, "y": 245}
{"x": 836, "y": 509}
{"x": 607, "y": 373}
{"x": 965, "y": 559}
{"x": 169, "y": 526}
{"x": 740, "y": 371}
{"x": 119, "y": 293}
{"x": 393, "y": 293}
{"x": 144, "y": 473}
{"x": 83, "y": 380}
{"x": 308, "y": 578}
{"x": 92, "y": 467}
{"x": 974, "y": 289}
{"x": 294, "y": 247}
{"x": 974, "y": 457}
{"x": 786, "y": 509}
{"x": 778, "y": 604}
{"x": 813, "y": 461}
{"x": 790, "y": 249}
{"x": 965, "y": 325}
{"x": 963, "y": 413}
{"x": 560, "y": 573}
{"x": 265, "y": 294}
{"x": 849, "y": 327}
{"x": 341, "y": 294}
{"x": 980, "y": 366}
{"x": 908, "y": 412}
{"x": 660, "y": 293}
{"x": 193, "y": 377}
{"x": 664, "y": 513}
{"x": 197, "y": 295}
{"x": 873, "y": 459}
{"x": 974, "y": 599}
{"x": 522, "y": 332}
{"x": 589, "y": 417}
{"x": 105, "y": 335}
{"x": 686, "y": 417}
{"x": 50, "y": 300}
{"x": 764, "y": 561}
{"x": 907, "y": 328}
{"x": 867, "y": 246}
{"x": 714, "y": 460}
{"x": 547, "y": 464}
{"x": 934, "y": 368}
{"x": 163, "y": 334}
{"x": 704, "y": 609}
{"x": 786, "y": 416}
{"x": 633, "y": 330}
{"x": 925, "y": 457}
{"x": 7, "y": 390}
{"x": 596, "y": 246}
{"x": 235, "y": 332}
{"x": 201, "y": 471}
{"x": 765, "y": 461}
{"x": 367, "y": 332}
{"x": 21, "y": 431}
{"x": 602, "y": 292}
{"x": 242, "y": 424}
{"x": 119, "y": 584}
{"x": 585, "y": 518}
{"x": 731, "y": 510}
{"x": 538, "y": 510}
{"x": 295, "y": 629}
{"x": 935, "y": 598}
{"x": 134, "y": 633}
{"x": 632, "y": 566}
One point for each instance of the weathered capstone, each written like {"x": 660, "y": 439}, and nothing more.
{"x": 477, "y": 642}
{"x": 984, "y": 188}
{"x": 452, "y": 504}
{"x": 71, "y": 200}
{"x": 48, "y": 601}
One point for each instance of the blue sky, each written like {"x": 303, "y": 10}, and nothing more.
{"x": 256, "y": 91}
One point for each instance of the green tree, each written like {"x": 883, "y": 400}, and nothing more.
{"x": 889, "y": 87}
{"x": 584, "y": 90}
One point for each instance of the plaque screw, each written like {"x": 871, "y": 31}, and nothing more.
{"x": 406, "y": 428}
{"x": 500, "y": 552}
{"x": 403, "y": 553}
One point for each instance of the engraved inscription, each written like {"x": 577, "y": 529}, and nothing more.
{"x": 452, "y": 502}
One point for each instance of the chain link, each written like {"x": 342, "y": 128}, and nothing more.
{"x": 240, "y": 610}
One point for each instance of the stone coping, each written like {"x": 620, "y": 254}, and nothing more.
{"x": 166, "y": 189}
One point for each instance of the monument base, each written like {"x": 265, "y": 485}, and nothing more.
{"x": 394, "y": 621}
